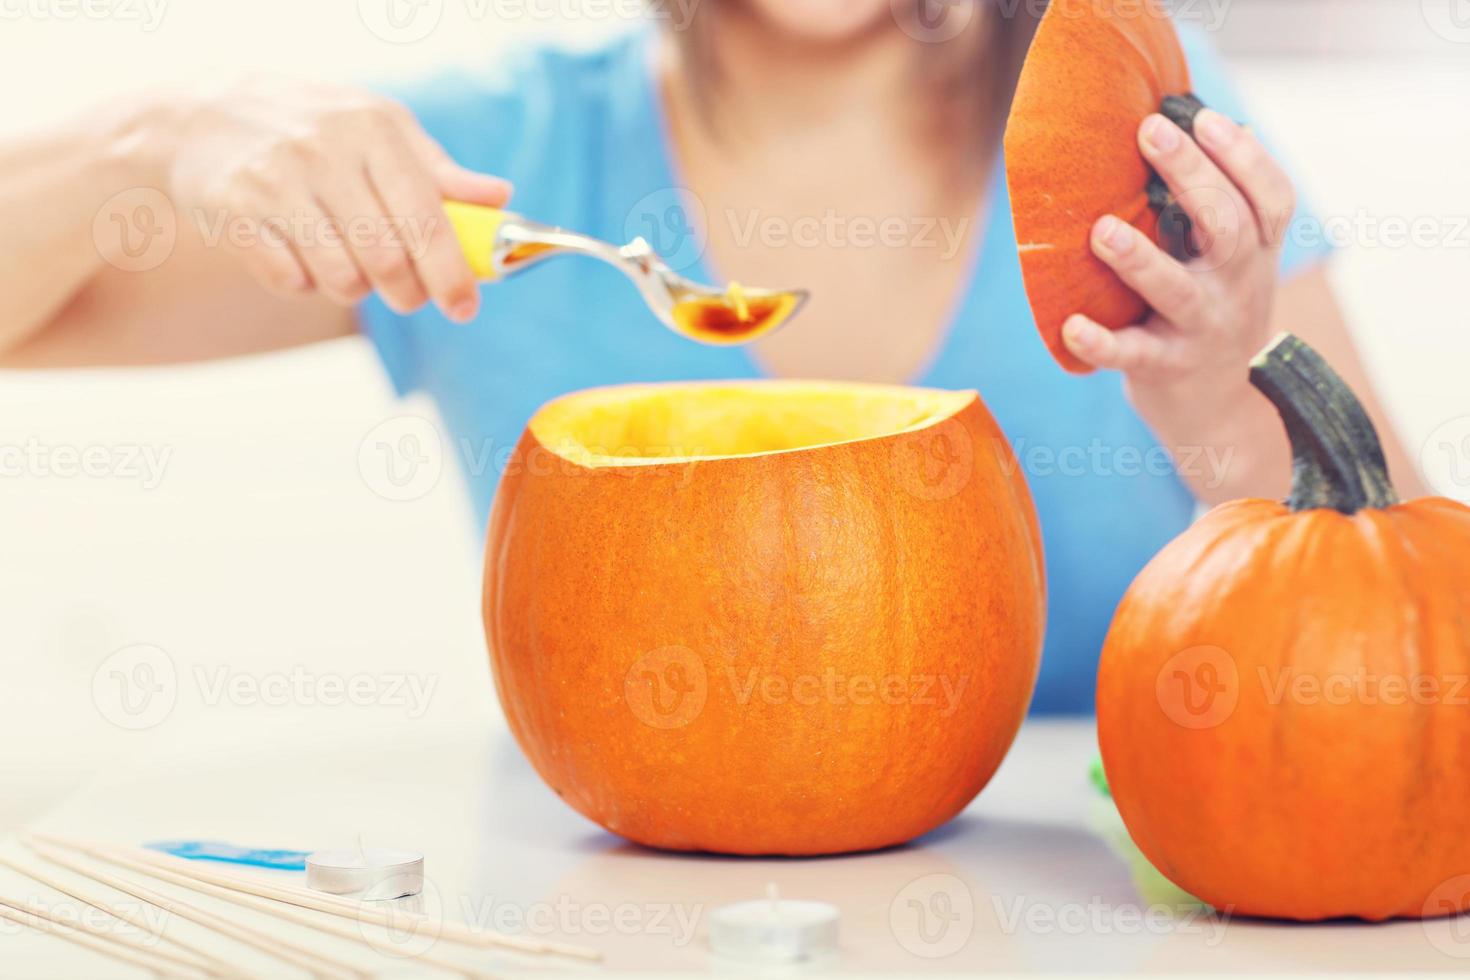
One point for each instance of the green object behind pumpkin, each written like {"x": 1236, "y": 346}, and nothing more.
{"x": 1153, "y": 887}
{"x": 1100, "y": 778}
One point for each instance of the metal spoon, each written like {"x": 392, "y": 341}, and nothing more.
{"x": 501, "y": 243}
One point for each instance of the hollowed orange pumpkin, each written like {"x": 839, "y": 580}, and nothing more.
{"x": 1094, "y": 72}
{"x": 1284, "y": 697}
{"x": 767, "y": 617}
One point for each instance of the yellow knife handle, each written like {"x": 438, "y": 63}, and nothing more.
{"x": 477, "y": 229}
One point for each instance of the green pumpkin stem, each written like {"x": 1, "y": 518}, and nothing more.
{"x": 1337, "y": 458}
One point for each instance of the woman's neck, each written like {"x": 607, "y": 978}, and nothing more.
{"x": 761, "y": 74}
{"x": 748, "y": 85}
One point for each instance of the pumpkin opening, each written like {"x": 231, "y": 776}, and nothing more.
{"x": 629, "y": 426}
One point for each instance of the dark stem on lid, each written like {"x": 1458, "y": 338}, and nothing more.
{"x": 1174, "y": 224}
{"x": 1337, "y": 458}
{"x": 1181, "y": 110}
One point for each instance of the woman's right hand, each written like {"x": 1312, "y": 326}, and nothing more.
{"x": 329, "y": 190}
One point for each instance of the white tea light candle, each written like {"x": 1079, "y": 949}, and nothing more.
{"x": 774, "y": 929}
{"x": 376, "y": 874}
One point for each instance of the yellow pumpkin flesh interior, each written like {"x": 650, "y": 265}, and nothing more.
{"x": 646, "y": 424}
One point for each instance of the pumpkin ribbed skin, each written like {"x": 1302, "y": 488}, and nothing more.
{"x": 1304, "y": 799}
{"x": 1094, "y": 72}
{"x": 635, "y": 612}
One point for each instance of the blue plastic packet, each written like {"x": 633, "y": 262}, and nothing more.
{"x": 210, "y": 850}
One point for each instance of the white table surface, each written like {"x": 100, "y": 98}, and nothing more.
{"x": 1032, "y": 877}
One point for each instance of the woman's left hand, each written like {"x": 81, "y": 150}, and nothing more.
{"x": 1211, "y": 312}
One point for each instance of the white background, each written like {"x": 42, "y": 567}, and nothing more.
{"x": 267, "y": 548}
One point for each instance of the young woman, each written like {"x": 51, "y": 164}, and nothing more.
{"x": 849, "y": 148}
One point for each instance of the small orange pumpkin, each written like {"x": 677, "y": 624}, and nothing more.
{"x": 1094, "y": 72}
{"x": 1283, "y": 706}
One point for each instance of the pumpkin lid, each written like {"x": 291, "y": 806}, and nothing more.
{"x": 1094, "y": 72}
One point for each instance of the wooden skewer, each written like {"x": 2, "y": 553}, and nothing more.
{"x": 397, "y": 918}
{"x": 62, "y": 931}
{"x": 205, "y": 961}
{"x": 280, "y": 911}
{"x": 332, "y": 905}
{"x": 122, "y": 939}
{"x": 292, "y": 953}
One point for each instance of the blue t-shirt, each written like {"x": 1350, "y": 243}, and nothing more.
{"x": 582, "y": 137}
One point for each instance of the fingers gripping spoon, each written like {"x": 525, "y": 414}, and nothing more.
{"x": 500, "y": 244}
